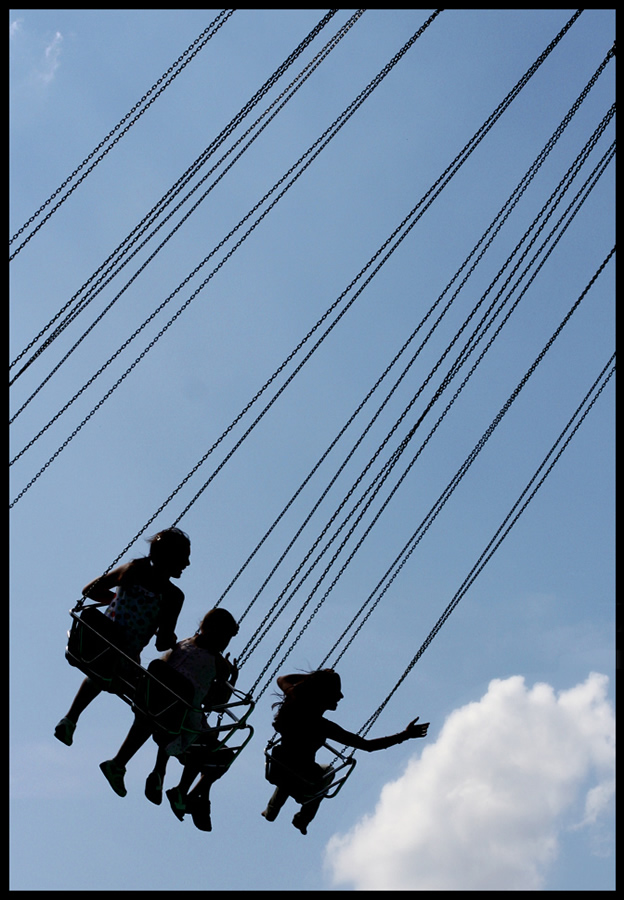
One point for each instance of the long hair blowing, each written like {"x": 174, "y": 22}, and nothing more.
{"x": 304, "y": 697}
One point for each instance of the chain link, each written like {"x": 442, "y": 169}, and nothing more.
{"x": 194, "y": 168}
{"x": 293, "y": 87}
{"x": 500, "y": 219}
{"x": 406, "y": 440}
{"x": 499, "y": 536}
{"x": 203, "y": 41}
{"x": 318, "y": 146}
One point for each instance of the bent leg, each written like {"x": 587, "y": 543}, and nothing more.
{"x": 155, "y": 779}
{"x": 139, "y": 732}
{"x": 212, "y": 766}
{"x": 309, "y": 809}
{"x": 278, "y": 798}
{"x": 178, "y": 796}
{"x": 87, "y": 692}
{"x": 114, "y": 769}
{"x": 162, "y": 758}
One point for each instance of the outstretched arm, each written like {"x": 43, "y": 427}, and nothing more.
{"x": 413, "y": 730}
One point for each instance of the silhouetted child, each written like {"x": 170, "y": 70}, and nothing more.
{"x": 304, "y": 730}
{"x": 200, "y": 659}
{"x": 145, "y": 604}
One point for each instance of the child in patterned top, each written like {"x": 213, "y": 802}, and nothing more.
{"x": 145, "y": 604}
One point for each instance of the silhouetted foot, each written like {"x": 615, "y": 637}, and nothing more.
{"x": 177, "y": 801}
{"x": 200, "y": 811}
{"x": 299, "y": 823}
{"x": 153, "y": 788}
{"x": 64, "y": 731}
{"x": 114, "y": 774}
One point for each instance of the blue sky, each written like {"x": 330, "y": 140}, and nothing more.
{"x": 513, "y": 788}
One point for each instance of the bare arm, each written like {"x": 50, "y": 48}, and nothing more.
{"x": 100, "y": 588}
{"x": 165, "y": 635}
{"x": 413, "y": 730}
{"x": 220, "y": 690}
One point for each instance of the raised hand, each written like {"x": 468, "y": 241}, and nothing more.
{"x": 416, "y": 731}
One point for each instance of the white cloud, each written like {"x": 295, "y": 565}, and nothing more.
{"x": 38, "y": 59}
{"x": 51, "y": 58}
{"x": 484, "y": 807}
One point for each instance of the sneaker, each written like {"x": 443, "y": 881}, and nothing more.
{"x": 114, "y": 774}
{"x": 153, "y": 788}
{"x": 200, "y": 811}
{"x": 177, "y": 801}
{"x": 64, "y": 731}
{"x": 299, "y": 823}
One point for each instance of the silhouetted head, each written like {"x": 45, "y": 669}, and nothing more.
{"x": 308, "y": 699}
{"x": 170, "y": 551}
{"x": 218, "y": 627}
{"x": 323, "y": 687}
{"x": 319, "y": 690}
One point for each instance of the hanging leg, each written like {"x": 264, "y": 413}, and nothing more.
{"x": 308, "y": 810}
{"x": 278, "y": 799}
{"x": 114, "y": 769}
{"x": 155, "y": 779}
{"x": 213, "y": 767}
{"x": 87, "y": 692}
{"x": 178, "y": 796}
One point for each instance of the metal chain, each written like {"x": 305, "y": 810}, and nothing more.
{"x": 188, "y": 278}
{"x": 192, "y": 170}
{"x": 101, "y": 283}
{"x": 71, "y": 300}
{"x": 202, "y": 40}
{"x": 467, "y": 350}
{"x": 457, "y": 162}
{"x": 318, "y": 146}
{"x": 498, "y": 538}
{"x": 409, "y": 436}
{"x": 341, "y": 120}
{"x": 395, "y": 568}
{"x": 437, "y": 507}
{"x": 553, "y": 42}
{"x": 500, "y": 219}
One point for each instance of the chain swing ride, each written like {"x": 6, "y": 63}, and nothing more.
{"x": 155, "y": 691}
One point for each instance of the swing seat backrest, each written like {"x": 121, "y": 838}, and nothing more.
{"x": 165, "y": 696}
{"x": 219, "y": 744}
{"x": 92, "y": 645}
{"x": 304, "y": 790}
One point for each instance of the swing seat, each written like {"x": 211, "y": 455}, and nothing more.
{"x": 213, "y": 748}
{"x": 93, "y": 646}
{"x": 165, "y": 697}
{"x": 160, "y": 693}
{"x": 302, "y": 789}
